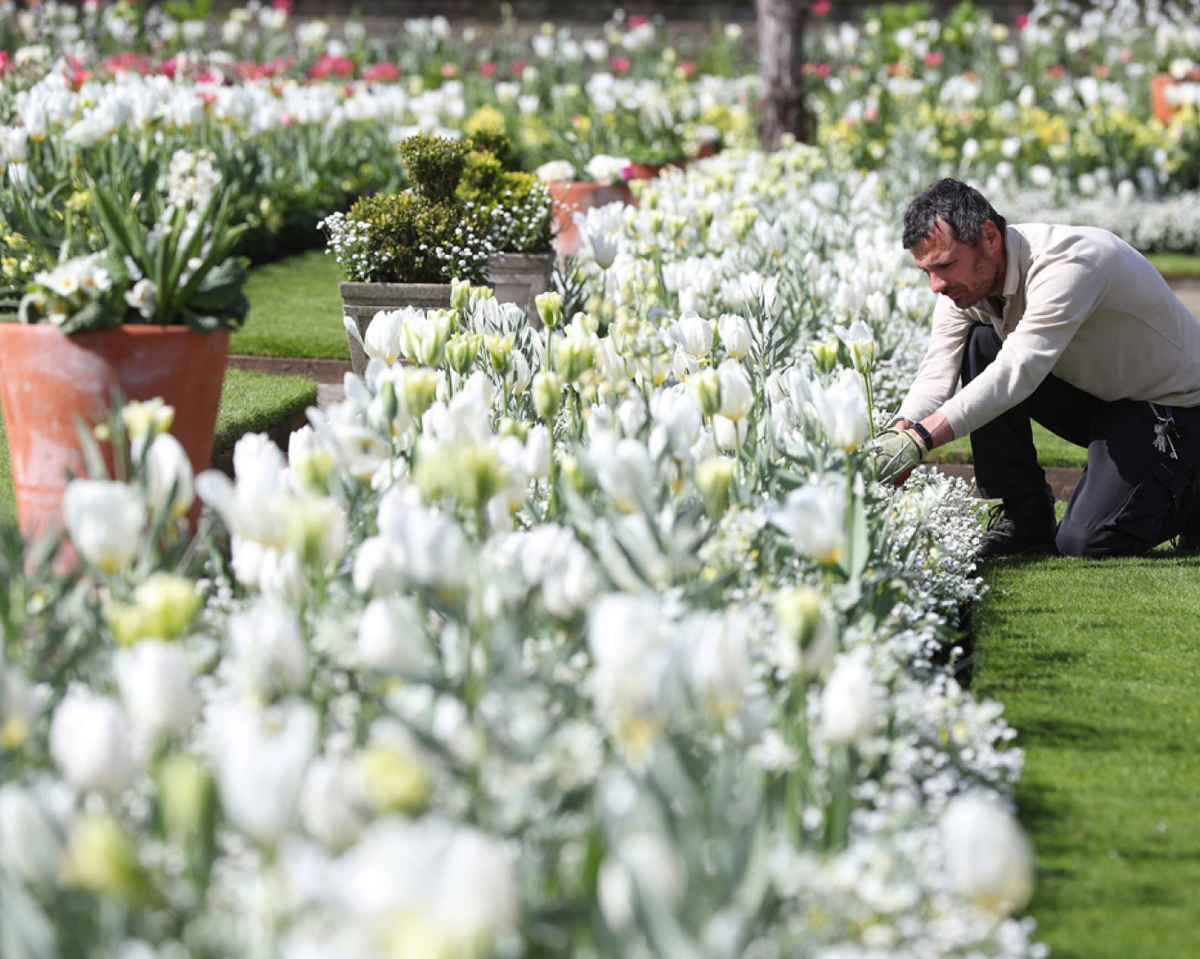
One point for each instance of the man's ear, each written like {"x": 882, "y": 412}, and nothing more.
{"x": 992, "y": 236}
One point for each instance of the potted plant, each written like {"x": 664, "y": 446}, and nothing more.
{"x": 404, "y": 249}
{"x": 147, "y": 316}
{"x": 517, "y": 211}
{"x": 603, "y": 183}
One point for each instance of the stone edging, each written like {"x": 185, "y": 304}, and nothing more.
{"x": 320, "y": 371}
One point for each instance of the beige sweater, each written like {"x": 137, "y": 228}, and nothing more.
{"x": 1079, "y": 303}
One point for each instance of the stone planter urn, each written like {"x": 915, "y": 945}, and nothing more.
{"x": 361, "y": 301}
{"x": 520, "y": 277}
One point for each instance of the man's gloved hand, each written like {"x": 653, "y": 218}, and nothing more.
{"x": 896, "y": 453}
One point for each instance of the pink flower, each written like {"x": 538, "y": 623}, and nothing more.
{"x": 487, "y": 68}
{"x": 381, "y": 72}
{"x": 821, "y": 8}
{"x": 1022, "y": 21}
{"x": 932, "y": 59}
{"x": 638, "y": 19}
{"x": 284, "y": 5}
{"x": 449, "y": 71}
{"x": 621, "y": 64}
{"x": 518, "y": 67}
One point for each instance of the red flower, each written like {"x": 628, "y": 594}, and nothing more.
{"x": 1056, "y": 72}
{"x": 821, "y": 8}
{"x": 487, "y": 68}
{"x": 687, "y": 69}
{"x": 1022, "y": 21}
{"x": 386, "y": 72}
{"x": 621, "y": 64}
{"x": 284, "y": 5}
{"x": 932, "y": 59}
{"x": 5, "y": 63}
{"x": 518, "y": 67}
{"x": 638, "y": 19}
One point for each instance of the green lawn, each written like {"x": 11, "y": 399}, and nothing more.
{"x": 1052, "y": 450}
{"x": 1098, "y": 666}
{"x": 295, "y": 310}
{"x": 250, "y": 402}
{"x": 1176, "y": 264}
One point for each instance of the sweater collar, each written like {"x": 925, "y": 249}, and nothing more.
{"x": 1016, "y": 251}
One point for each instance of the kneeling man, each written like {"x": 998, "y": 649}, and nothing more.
{"x": 1073, "y": 328}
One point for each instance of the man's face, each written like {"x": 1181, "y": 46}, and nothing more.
{"x": 964, "y": 273}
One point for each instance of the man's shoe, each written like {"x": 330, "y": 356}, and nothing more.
{"x": 1020, "y": 525}
{"x": 1189, "y": 536}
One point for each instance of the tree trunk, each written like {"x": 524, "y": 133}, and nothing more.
{"x": 781, "y": 49}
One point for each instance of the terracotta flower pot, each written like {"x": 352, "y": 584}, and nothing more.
{"x": 520, "y": 277}
{"x": 573, "y": 196}
{"x": 48, "y": 381}
{"x": 361, "y": 301}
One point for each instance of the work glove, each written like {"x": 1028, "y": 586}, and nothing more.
{"x": 896, "y": 453}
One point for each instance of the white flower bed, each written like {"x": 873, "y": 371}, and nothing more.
{"x": 558, "y": 643}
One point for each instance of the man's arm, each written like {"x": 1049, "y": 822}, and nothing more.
{"x": 941, "y": 366}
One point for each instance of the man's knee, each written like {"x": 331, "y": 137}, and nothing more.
{"x": 1076, "y": 539}
{"x": 983, "y": 346}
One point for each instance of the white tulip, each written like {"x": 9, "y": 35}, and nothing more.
{"x": 268, "y": 654}
{"x": 988, "y": 856}
{"x": 643, "y": 866}
{"x": 442, "y": 888}
{"x": 692, "y": 334}
{"x": 378, "y": 567}
{"x": 260, "y": 759}
{"x": 859, "y": 339}
{"x": 90, "y": 742}
{"x": 169, "y": 476}
{"x": 392, "y": 638}
{"x": 677, "y": 419}
{"x": 719, "y": 661}
{"x": 537, "y": 461}
{"x": 334, "y": 803}
{"x": 842, "y": 410}
{"x": 623, "y": 469}
{"x": 737, "y": 395}
{"x": 729, "y": 436}
{"x": 382, "y": 338}
{"x": 736, "y": 335}
{"x": 849, "y": 701}
{"x": 31, "y": 842}
{"x": 157, "y": 686}
{"x": 814, "y": 516}
{"x": 105, "y": 521}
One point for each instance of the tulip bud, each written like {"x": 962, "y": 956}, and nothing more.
{"x": 102, "y": 859}
{"x": 163, "y": 607}
{"x": 500, "y": 348}
{"x": 187, "y": 795}
{"x": 572, "y": 356}
{"x": 547, "y": 394}
{"x": 825, "y": 355}
{"x": 708, "y": 391}
{"x": 462, "y": 350}
{"x": 418, "y": 390}
{"x": 144, "y": 420}
{"x": 460, "y": 294}
{"x": 387, "y": 397}
{"x": 549, "y": 308}
{"x": 713, "y": 478}
{"x": 988, "y": 856}
{"x": 806, "y": 630}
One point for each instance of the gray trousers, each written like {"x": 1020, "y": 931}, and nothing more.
{"x": 1132, "y": 495}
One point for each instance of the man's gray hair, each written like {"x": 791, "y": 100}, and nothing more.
{"x": 964, "y": 209}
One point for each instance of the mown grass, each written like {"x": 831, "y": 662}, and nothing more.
{"x": 1098, "y": 666}
{"x": 295, "y": 310}
{"x": 250, "y": 402}
{"x": 1176, "y": 264}
{"x": 1052, "y": 450}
